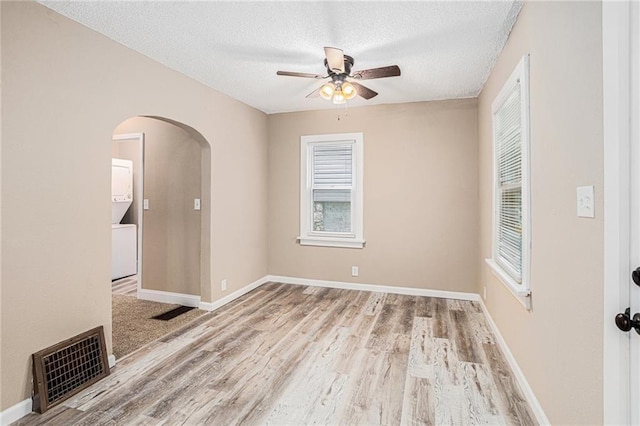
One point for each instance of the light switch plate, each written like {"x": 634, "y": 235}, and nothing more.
{"x": 196, "y": 203}
{"x": 586, "y": 201}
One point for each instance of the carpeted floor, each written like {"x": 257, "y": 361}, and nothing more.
{"x": 133, "y": 326}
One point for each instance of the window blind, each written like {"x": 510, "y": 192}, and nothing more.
{"x": 333, "y": 166}
{"x": 332, "y": 187}
{"x": 508, "y": 137}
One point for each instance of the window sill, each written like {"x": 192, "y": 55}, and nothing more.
{"x": 523, "y": 296}
{"x": 331, "y": 242}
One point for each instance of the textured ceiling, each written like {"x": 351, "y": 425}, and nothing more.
{"x": 445, "y": 49}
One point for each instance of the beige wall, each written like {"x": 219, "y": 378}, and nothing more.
{"x": 63, "y": 94}
{"x": 171, "y": 231}
{"x": 420, "y": 196}
{"x": 558, "y": 344}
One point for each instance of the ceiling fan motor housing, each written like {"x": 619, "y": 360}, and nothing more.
{"x": 348, "y": 63}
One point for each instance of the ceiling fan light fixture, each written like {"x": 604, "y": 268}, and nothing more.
{"x": 338, "y": 97}
{"x": 348, "y": 90}
{"x": 327, "y": 90}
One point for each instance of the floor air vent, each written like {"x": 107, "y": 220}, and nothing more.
{"x": 64, "y": 369}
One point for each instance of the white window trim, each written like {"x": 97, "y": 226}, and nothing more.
{"x": 307, "y": 236}
{"x": 521, "y": 291}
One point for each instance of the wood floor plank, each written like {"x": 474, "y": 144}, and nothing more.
{"x": 314, "y": 392}
{"x": 418, "y": 402}
{"x": 133, "y": 398}
{"x": 456, "y": 305}
{"x": 286, "y": 354}
{"x": 360, "y": 328}
{"x": 480, "y": 393}
{"x": 374, "y": 303}
{"x": 447, "y": 384}
{"x": 376, "y": 395}
{"x": 148, "y": 421}
{"x": 442, "y": 326}
{"x": 126, "y": 286}
{"x": 195, "y": 376}
{"x": 394, "y": 323}
{"x": 425, "y": 307}
{"x": 181, "y": 412}
{"x": 392, "y": 380}
{"x": 466, "y": 346}
{"x": 245, "y": 306}
{"x": 124, "y": 381}
{"x": 420, "y": 362}
{"x": 513, "y": 405}
{"x": 272, "y": 285}
{"x": 57, "y": 415}
{"x": 248, "y": 406}
{"x": 361, "y": 394}
{"x": 479, "y": 329}
{"x": 311, "y": 290}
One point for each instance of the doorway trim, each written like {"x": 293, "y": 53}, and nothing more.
{"x": 139, "y": 185}
{"x": 616, "y": 131}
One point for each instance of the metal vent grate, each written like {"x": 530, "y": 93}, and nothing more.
{"x": 66, "y": 368}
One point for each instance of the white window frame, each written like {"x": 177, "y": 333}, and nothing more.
{"x": 521, "y": 290}
{"x": 308, "y": 236}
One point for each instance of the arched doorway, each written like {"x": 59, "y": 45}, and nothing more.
{"x": 172, "y": 207}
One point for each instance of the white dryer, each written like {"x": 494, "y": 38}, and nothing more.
{"x": 124, "y": 247}
{"x": 121, "y": 188}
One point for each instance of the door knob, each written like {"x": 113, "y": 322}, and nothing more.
{"x": 626, "y": 323}
{"x": 635, "y": 276}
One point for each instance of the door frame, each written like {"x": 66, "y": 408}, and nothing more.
{"x": 616, "y": 50}
{"x": 139, "y": 189}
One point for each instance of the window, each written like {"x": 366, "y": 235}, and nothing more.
{"x": 331, "y": 190}
{"x": 510, "y": 117}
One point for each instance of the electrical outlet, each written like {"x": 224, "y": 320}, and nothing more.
{"x": 145, "y": 204}
{"x": 354, "y": 271}
{"x": 223, "y": 285}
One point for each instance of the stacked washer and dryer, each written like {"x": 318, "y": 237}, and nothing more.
{"x": 124, "y": 249}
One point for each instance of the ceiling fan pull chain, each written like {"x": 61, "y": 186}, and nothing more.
{"x": 346, "y": 111}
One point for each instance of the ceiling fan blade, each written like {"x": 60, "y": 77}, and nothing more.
{"x": 315, "y": 93}
{"x": 335, "y": 59}
{"x": 364, "y": 91}
{"x": 382, "y": 72}
{"x": 300, "y": 74}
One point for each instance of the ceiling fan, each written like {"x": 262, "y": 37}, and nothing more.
{"x": 342, "y": 85}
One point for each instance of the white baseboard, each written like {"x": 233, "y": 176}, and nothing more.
{"x": 168, "y": 297}
{"x": 16, "y": 412}
{"x": 112, "y": 361}
{"x": 207, "y": 306}
{"x": 377, "y": 288}
{"x": 520, "y": 377}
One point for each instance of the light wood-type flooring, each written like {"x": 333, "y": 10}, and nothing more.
{"x": 294, "y": 355}
{"x": 127, "y": 286}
